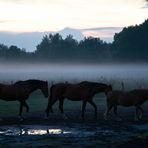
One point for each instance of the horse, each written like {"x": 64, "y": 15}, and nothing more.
{"x": 83, "y": 91}
{"x": 21, "y": 90}
{"x": 134, "y": 97}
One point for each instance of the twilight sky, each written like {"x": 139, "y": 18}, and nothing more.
{"x": 86, "y": 15}
{"x": 53, "y": 15}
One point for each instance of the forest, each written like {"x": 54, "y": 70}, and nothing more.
{"x": 129, "y": 45}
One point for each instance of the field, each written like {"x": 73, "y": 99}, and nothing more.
{"x": 35, "y": 131}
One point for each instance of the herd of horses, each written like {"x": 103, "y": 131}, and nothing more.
{"x": 83, "y": 91}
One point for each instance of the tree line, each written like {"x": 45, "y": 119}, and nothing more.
{"x": 130, "y": 45}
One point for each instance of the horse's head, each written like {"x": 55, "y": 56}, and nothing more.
{"x": 1, "y": 86}
{"x": 44, "y": 88}
{"x": 108, "y": 88}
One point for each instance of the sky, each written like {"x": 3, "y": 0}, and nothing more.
{"x": 88, "y": 16}
{"x": 53, "y": 15}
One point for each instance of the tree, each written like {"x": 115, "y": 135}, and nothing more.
{"x": 132, "y": 43}
{"x": 43, "y": 47}
{"x": 3, "y": 51}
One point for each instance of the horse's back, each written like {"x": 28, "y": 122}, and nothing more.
{"x": 57, "y": 90}
{"x": 16, "y": 91}
{"x": 76, "y": 92}
{"x": 11, "y": 92}
{"x": 123, "y": 98}
{"x": 91, "y": 84}
{"x": 140, "y": 92}
{"x": 84, "y": 90}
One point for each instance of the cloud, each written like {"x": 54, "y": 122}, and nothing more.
{"x": 145, "y": 6}
{"x": 3, "y": 21}
{"x": 12, "y": 1}
{"x": 105, "y": 33}
{"x": 104, "y": 28}
{"x": 6, "y": 21}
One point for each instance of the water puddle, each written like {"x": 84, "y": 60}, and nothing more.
{"x": 73, "y": 134}
{"x": 48, "y": 130}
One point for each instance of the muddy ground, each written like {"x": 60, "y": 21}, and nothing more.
{"x": 35, "y": 131}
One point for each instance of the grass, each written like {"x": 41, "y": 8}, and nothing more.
{"x": 36, "y": 102}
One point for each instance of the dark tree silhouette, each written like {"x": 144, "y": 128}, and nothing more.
{"x": 130, "y": 45}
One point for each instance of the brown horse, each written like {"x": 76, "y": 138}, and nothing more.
{"x": 126, "y": 98}
{"x": 21, "y": 90}
{"x": 83, "y": 91}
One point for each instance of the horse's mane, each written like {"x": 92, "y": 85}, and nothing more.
{"x": 1, "y": 85}
{"x": 28, "y": 81}
{"x": 92, "y": 83}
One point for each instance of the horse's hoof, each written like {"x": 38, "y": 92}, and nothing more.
{"x": 64, "y": 117}
{"x": 136, "y": 119}
{"x": 95, "y": 117}
{"x": 105, "y": 118}
{"x": 21, "y": 118}
{"x": 140, "y": 117}
{"x": 118, "y": 119}
{"x": 46, "y": 118}
{"x": 83, "y": 119}
{"x": 1, "y": 119}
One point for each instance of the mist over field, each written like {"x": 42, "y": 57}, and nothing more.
{"x": 107, "y": 73}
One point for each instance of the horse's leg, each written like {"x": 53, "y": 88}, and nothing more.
{"x": 137, "y": 116}
{"x": 49, "y": 107}
{"x": 141, "y": 112}
{"x": 61, "y": 102}
{"x": 109, "y": 107}
{"x": 26, "y": 105}
{"x": 20, "y": 110}
{"x": 83, "y": 109}
{"x": 95, "y": 107}
{"x": 115, "y": 112}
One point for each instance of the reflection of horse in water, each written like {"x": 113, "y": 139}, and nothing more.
{"x": 21, "y": 90}
{"x": 84, "y": 91}
{"x": 130, "y": 98}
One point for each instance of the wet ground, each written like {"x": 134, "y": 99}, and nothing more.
{"x": 35, "y": 131}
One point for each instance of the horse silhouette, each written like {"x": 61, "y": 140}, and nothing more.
{"x": 135, "y": 98}
{"x": 21, "y": 90}
{"x": 83, "y": 91}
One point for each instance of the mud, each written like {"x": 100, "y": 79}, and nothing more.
{"x": 35, "y": 131}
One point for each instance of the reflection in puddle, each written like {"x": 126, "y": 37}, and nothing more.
{"x": 32, "y": 130}
{"x": 43, "y": 132}
{"x": 48, "y": 130}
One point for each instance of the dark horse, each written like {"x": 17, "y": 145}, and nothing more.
{"x": 83, "y": 91}
{"x": 135, "y": 98}
{"x": 21, "y": 90}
